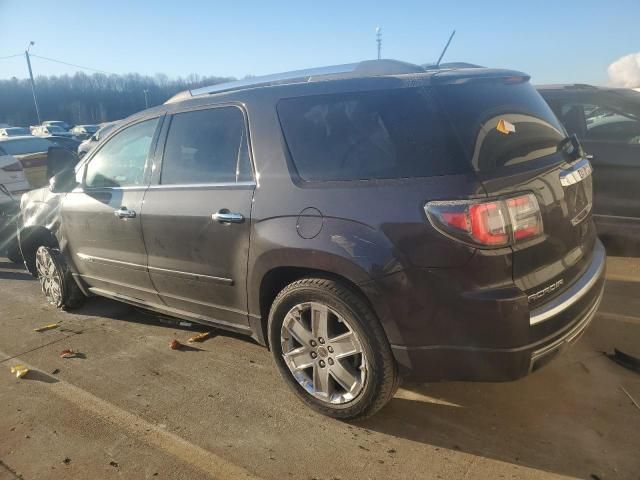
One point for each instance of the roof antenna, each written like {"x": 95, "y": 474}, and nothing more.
{"x": 445, "y": 49}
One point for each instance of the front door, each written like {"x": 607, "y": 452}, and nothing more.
{"x": 102, "y": 217}
{"x": 608, "y": 126}
{"x": 196, "y": 218}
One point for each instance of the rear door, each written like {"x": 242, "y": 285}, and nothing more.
{"x": 196, "y": 218}
{"x": 102, "y": 217}
{"x": 514, "y": 142}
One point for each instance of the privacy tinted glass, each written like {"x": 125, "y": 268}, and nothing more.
{"x": 501, "y": 124}
{"x": 206, "y": 146}
{"x": 370, "y": 135}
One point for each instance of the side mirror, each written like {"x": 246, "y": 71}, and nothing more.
{"x": 65, "y": 181}
{"x": 59, "y": 159}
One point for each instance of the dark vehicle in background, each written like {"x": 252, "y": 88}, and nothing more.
{"x": 86, "y": 146}
{"x": 14, "y": 132}
{"x": 607, "y": 122}
{"x": 57, "y": 123}
{"x": 369, "y": 222}
{"x": 83, "y": 132}
{"x": 32, "y": 152}
{"x": 71, "y": 144}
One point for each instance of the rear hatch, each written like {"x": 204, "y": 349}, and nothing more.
{"x": 516, "y": 145}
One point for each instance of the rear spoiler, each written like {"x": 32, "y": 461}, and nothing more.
{"x": 468, "y": 75}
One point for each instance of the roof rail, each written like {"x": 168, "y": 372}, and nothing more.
{"x": 367, "y": 68}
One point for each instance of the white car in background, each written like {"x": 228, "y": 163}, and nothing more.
{"x": 14, "y": 131}
{"x": 48, "y": 130}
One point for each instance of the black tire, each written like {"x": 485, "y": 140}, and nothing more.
{"x": 381, "y": 380}
{"x": 58, "y": 284}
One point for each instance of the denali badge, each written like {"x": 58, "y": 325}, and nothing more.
{"x": 576, "y": 173}
{"x": 546, "y": 290}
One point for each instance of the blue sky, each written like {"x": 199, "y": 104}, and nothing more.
{"x": 562, "y": 41}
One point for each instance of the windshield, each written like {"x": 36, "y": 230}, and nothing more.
{"x": 25, "y": 146}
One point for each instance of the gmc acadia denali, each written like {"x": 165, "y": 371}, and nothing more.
{"x": 367, "y": 222}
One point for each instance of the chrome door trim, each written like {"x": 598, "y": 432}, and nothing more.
{"x": 198, "y": 277}
{"x": 165, "y": 271}
{"x": 111, "y": 262}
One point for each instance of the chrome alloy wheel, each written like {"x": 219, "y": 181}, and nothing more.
{"x": 323, "y": 353}
{"x": 49, "y": 276}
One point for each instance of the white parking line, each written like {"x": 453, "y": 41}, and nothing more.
{"x": 209, "y": 463}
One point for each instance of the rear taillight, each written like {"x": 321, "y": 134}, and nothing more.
{"x": 492, "y": 223}
{"x": 13, "y": 167}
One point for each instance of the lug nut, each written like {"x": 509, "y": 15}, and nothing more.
{"x": 313, "y": 343}
{"x": 322, "y": 363}
{"x": 331, "y": 361}
{"x": 314, "y": 354}
{"x": 330, "y": 348}
{"x": 321, "y": 340}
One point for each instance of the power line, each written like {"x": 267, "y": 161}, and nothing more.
{"x": 72, "y": 64}
{"x": 11, "y": 56}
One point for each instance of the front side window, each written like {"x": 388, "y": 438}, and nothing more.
{"x": 206, "y": 146}
{"x": 121, "y": 161}
{"x": 604, "y": 118}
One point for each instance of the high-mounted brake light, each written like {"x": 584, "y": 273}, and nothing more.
{"x": 492, "y": 223}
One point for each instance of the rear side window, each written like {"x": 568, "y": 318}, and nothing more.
{"x": 206, "y": 146}
{"x": 369, "y": 135}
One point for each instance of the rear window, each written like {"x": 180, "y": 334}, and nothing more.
{"x": 501, "y": 124}
{"x": 370, "y": 135}
{"x": 24, "y": 146}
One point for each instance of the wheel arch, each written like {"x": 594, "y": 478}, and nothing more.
{"x": 274, "y": 280}
{"x": 32, "y": 237}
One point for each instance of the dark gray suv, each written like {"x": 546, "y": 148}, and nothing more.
{"x": 367, "y": 222}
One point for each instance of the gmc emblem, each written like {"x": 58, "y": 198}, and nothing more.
{"x": 545, "y": 291}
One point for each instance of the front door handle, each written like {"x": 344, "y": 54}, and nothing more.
{"x": 225, "y": 216}
{"x": 124, "y": 212}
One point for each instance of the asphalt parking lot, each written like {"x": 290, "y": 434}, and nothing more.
{"x": 130, "y": 407}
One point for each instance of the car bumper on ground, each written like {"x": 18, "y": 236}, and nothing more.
{"x": 554, "y": 325}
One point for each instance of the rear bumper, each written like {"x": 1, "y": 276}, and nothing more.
{"x": 554, "y": 325}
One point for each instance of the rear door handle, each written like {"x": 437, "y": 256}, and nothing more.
{"x": 124, "y": 212}
{"x": 225, "y": 216}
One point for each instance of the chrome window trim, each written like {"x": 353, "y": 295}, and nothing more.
{"x": 575, "y": 292}
{"x": 170, "y": 186}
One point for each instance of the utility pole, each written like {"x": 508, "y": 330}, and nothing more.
{"x": 379, "y": 40}
{"x": 33, "y": 84}
{"x": 146, "y": 99}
